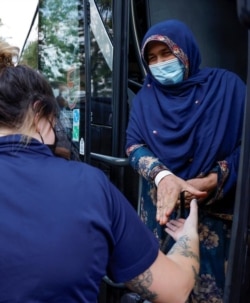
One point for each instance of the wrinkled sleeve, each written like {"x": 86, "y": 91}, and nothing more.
{"x": 227, "y": 171}
{"x": 145, "y": 162}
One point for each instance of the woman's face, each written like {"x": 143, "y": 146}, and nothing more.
{"x": 158, "y": 52}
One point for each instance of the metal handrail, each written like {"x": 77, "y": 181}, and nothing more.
{"x": 115, "y": 161}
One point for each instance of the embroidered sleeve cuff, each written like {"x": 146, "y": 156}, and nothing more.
{"x": 161, "y": 175}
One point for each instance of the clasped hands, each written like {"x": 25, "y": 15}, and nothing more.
{"x": 170, "y": 187}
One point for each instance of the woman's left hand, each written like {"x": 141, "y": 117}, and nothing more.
{"x": 208, "y": 184}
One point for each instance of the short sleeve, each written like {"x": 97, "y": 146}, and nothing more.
{"x": 135, "y": 246}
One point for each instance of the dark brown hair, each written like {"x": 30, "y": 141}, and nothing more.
{"x": 23, "y": 90}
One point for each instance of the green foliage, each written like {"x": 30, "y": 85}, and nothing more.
{"x": 61, "y": 45}
{"x": 30, "y": 55}
{"x": 58, "y": 37}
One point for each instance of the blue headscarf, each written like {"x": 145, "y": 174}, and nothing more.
{"x": 191, "y": 125}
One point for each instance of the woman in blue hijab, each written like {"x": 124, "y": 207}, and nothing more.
{"x": 184, "y": 136}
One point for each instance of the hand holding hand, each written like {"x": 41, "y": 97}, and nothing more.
{"x": 207, "y": 183}
{"x": 168, "y": 193}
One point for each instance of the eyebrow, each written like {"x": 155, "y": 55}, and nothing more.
{"x": 164, "y": 48}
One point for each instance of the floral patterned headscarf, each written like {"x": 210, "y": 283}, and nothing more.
{"x": 180, "y": 40}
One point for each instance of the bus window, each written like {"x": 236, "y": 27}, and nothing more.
{"x": 59, "y": 56}
{"x": 62, "y": 58}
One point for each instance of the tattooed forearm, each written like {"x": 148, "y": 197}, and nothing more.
{"x": 182, "y": 247}
{"x": 140, "y": 285}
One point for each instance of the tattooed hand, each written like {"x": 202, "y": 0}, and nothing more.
{"x": 171, "y": 277}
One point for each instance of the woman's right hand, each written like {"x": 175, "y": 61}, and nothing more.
{"x": 168, "y": 193}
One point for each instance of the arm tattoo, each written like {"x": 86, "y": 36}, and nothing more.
{"x": 182, "y": 247}
{"x": 140, "y": 285}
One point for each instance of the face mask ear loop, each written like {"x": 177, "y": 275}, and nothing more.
{"x": 36, "y": 119}
{"x": 40, "y": 136}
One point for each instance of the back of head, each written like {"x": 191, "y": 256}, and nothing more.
{"x": 24, "y": 92}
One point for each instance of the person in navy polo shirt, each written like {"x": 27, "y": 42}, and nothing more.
{"x": 63, "y": 225}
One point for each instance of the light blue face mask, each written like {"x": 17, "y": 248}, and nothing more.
{"x": 168, "y": 72}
